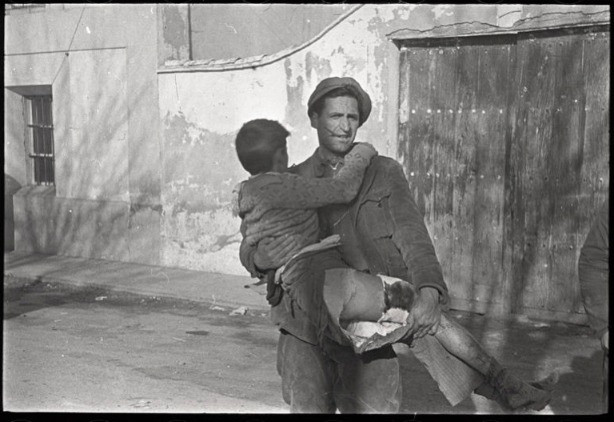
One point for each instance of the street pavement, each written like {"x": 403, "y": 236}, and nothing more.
{"x": 530, "y": 348}
{"x": 83, "y": 350}
{"x": 147, "y": 280}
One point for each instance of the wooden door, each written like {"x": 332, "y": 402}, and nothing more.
{"x": 559, "y": 163}
{"x": 453, "y": 134}
{"x": 504, "y": 141}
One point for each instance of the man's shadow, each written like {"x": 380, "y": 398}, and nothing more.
{"x": 580, "y": 391}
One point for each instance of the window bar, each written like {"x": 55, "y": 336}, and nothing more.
{"x": 30, "y": 119}
{"x": 36, "y": 171}
{"x": 35, "y": 141}
{"x": 44, "y": 139}
{"x": 41, "y": 162}
{"x": 33, "y": 125}
{"x": 52, "y": 146}
{"x": 45, "y": 164}
{"x": 49, "y": 121}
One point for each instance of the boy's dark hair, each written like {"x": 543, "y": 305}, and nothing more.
{"x": 256, "y": 143}
{"x": 344, "y": 91}
{"x": 399, "y": 294}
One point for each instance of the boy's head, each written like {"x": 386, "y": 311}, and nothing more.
{"x": 399, "y": 294}
{"x": 260, "y": 144}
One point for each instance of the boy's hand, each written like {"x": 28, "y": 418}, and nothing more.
{"x": 364, "y": 150}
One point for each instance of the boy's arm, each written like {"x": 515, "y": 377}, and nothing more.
{"x": 269, "y": 253}
{"x": 288, "y": 190}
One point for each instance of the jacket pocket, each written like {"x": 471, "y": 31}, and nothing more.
{"x": 374, "y": 216}
{"x": 375, "y": 222}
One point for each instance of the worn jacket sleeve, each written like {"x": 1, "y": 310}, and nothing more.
{"x": 411, "y": 236}
{"x": 246, "y": 254}
{"x": 593, "y": 272}
{"x": 287, "y": 190}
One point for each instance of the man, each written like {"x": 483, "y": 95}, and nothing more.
{"x": 385, "y": 217}
{"x": 382, "y": 232}
{"x": 593, "y": 272}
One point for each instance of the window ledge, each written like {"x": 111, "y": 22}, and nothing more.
{"x": 36, "y": 190}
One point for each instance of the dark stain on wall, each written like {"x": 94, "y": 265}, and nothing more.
{"x": 175, "y": 31}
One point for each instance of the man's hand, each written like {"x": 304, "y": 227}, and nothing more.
{"x": 425, "y": 313}
{"x": 271, "y": 253}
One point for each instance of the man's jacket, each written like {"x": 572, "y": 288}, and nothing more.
{"x": 593, "y": 271}
{"x": 382, "y": 232}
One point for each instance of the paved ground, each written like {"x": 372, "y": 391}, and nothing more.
{"x": 530, "y": 348}
{"x": 86, "y": 350}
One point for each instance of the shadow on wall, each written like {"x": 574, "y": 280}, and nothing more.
{"x": 10, "y": 187}
{"x": 93, "y": 219}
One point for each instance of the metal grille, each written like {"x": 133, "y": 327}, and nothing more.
{"x": 41, "y": 134}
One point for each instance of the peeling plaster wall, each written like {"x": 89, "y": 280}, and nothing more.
{"x": 200, "y": 115}
{"x": 202, "y": 111}
{"x": 107, "y": 152}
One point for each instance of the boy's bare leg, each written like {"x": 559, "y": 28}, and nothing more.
{"x": 363, "y": 294}
{"x": 365, "y": 299}
{"x": 514, "y": 392}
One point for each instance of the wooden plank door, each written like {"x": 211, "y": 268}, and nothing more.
{"x": 505, "y": 143}
{"x": 453, "y": 134}
{"x": 559, "y": 164}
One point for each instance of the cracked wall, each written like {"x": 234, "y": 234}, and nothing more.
{"x": 146, "y": 162}
{"x": 200, "y": 115}
{"x": 202, "y": 111}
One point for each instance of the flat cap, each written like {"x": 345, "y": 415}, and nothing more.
{"x": 328, "y": 84}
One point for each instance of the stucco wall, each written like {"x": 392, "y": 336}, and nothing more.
{"x": 14, "y": 151}
{"x": 202, "y": 110}
{"x": 220, "y": 31}
{"x": 100, "y": 61}
{"x": 145, "y": 163}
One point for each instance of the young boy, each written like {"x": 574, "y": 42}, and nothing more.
{"x": 351, "y": 307}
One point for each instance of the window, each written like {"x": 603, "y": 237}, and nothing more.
{"x": 40, "y": 133}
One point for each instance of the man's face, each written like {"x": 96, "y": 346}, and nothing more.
{"x": 337, "y": 124}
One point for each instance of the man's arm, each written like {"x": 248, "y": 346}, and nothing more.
{"x": 412, "y": 238}
{"x": 593, "y": 272}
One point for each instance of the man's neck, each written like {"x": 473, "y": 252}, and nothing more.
{"x": 329, "y": 157}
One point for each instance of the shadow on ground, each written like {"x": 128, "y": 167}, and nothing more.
{"x": 531, "y": 349}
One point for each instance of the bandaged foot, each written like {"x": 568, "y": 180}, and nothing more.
{"x": 489, "y": 391}
{"x": 515, "y": 393}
